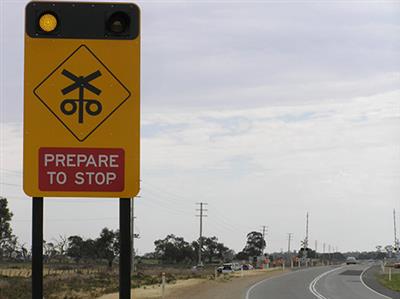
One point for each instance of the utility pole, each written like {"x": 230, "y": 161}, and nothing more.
{"x": 289, "y": 252}
{"x": 264, "y": 230}
{"x": 290, "y": 238}
{"x": 316, "y": 246}
{"x": 201, "y": 210}
{"x": 307, "y": 230}
{"x": 305, "y": 243}
{"x": 396, "y": 241}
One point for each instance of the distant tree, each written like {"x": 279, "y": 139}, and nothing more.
{"x": 241, "y": 255}
{"x": 23, "y": 252}
{"x": 338, "y": 256}
{"x": 50, "y": 251}
{"x": 89, "y": 250}
{"x": 309, "y": 253}
{"x": 10, "y": 248}
{"x": 149, "y": 255}
{"x": 224, "y": 253}
{"x": 389, "y": 250}
{"x": 380, "y": 255}
{"x": 173, "y": 249}
{"x": 228, "y": 255}
{"x": 254, "y": 245}
{"x": 61, "y": 245}
{"x": 107, "y": 245}
{"x": 75, "y": 246}
{"x": 210, "y": 248}
{"x": 7, "y": 240}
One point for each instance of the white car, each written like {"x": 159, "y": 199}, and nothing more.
{"x": 351, "y": 260}
{"x": 228, "y": 268}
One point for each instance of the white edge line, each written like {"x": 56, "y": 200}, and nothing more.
{"x": 312, "y": 289}
{"x": 313, "y": 283}
{"x": 365, "y": 285}
{"x": 271, "y": 278}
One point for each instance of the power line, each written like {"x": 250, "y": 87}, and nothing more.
{"x": 165, "y": 192}
{"x": 18, "y": 172}
{"x": 10, "y": 184}
{"x": 163, "y": 195}
{"x": 69, "y": 219}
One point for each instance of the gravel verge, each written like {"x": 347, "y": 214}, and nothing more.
{"x": 225, "y": 287}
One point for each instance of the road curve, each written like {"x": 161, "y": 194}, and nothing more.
{"x": 327, "y": 282}
{"x": 345, "y": 282}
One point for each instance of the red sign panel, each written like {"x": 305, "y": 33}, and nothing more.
{"x": 81, "y": 169}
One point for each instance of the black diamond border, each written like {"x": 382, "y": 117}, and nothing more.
{"x": 112, "y": 112}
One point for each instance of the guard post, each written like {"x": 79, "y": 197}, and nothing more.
{"x": 81, "y": 113}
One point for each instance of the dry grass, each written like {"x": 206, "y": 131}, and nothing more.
{"x": 154, "y": 291}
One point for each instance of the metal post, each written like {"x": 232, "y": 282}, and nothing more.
{"x": 133, "y": 234}
{"x": 37, "y": 247}
{"x": 125, "y": 248}
{"x": 163, "y": 285}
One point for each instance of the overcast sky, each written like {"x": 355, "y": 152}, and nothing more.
{"x": 265, "y": 110}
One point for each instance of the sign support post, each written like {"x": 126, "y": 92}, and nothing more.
{"x": 37, "y": 247}
{"x": 125, "y": 248}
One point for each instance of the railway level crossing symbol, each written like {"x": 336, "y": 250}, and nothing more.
{"x": 70, "y": 106}
{"x": 82, "y": 93}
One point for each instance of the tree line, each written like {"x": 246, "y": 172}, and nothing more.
{"x": 171, "y": 249}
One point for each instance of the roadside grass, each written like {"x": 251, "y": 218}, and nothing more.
{"x": 80, "y": 285}
{"x": 394, "y": 284}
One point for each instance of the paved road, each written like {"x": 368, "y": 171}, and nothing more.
{"x": 342, "y": 282}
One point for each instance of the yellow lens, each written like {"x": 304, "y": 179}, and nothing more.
{"x": 48, "y": 22}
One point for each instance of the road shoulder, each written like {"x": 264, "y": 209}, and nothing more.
{"x": 371, "y": 281}
{"x": 228, "y": 287}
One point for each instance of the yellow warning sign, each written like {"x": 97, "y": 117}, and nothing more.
{"x": 82, "y": 92}
{"x": 82, "y": 100}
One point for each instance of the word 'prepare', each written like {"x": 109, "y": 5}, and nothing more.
{"x": 80, "y": 160}
{"x": 81, "y": 169}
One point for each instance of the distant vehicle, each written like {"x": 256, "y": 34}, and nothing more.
{"x": 230, "y": 267}
{"x": 219, "y": 269}
{"x": 227, "y": 268}
{"x": 236, "y": 267}
{"x": 198, "y": 268}
{"x": 247, "y": 267}
{"x": 396, "y": 265}
{"x": 351, "y": 260}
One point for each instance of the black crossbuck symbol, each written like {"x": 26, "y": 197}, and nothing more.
{"x": 90, "y": 106}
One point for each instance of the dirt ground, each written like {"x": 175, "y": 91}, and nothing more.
{"x": 225, "y": 287}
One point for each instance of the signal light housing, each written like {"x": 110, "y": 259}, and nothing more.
{"x": 82, "y": 20}
{"x": 118, "y": 23}
{"x": 48, "y": 22}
